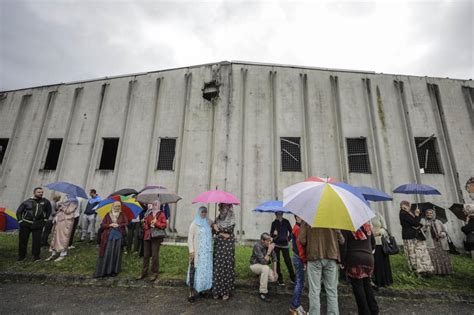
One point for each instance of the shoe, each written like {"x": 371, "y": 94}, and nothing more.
{"x": 71, "y": 247}
{"x": 281, "y": 284}
{"x": 300, "y": 310}
{"x": 264, "y": 297}
{"x": 292, "y": 311}
{"x": 153, "y": 278}
{"x": 215, "y": 297}
{"x": 59, "y": 258}
{"x": 50, "y": 258}
{"x": 225, "y": 297}
{"x": 292, "y": 282}
{"x": 140, "y": 277}
{"x": 36, "y": 258}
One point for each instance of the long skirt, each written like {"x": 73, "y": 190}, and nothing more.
{"x": 110, "y": 264}
{"x": 417, "y": 255}
{"x": 61, "y": 234}
{"x": 382, "y": 269}
{"x": 440, "y": 259}
{"x": 224, "y": 266}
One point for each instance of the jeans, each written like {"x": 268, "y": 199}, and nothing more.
{"x": 324, "y": 270}
{"x": 366, "y": 303}
{"x": 299, "y": 283}
{"x": 289, "y": 266}
{"x": 88, "y": 226}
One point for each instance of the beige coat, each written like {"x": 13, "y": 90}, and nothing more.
{"x": 63, "y": 223}
{"x": 441, "y": 231}
{"x": 193, "y": 238}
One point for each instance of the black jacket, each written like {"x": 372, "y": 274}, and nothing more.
{"x": 34, "y": 212}
{"x": 357, "y": 252}
{"x": 469, "y": 227}
{"x": 409, "y": 225}
{"x": 284, "y": 232}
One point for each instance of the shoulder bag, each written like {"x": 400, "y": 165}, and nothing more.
{"x": 389, "y": 245}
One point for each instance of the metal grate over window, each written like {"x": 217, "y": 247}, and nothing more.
{"x": 3, "y": 148}
{"x": 290, "y": 154}
{"x": 166, "y": 154}
{"x": 52, "y": 157}
{"x": 109, "y": 153}
{"x": 428, "y": 155}
{"x": 358, "y": 155}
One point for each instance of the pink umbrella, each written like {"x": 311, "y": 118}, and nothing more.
{"x": 216, "y": 196}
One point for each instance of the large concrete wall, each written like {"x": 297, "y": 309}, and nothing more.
{"x": 233, "y": 142}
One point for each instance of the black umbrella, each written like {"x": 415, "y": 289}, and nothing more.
{"x": 192, "y": 271}
{"x": 124, "y": 192}
{"x": 458, "y": 210}
{"x": 440, "y": 212}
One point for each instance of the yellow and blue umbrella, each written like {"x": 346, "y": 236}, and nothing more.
{"x": 130, "y": 206}
{"x": 8, "y": 220}
{"x": 325, "y": 203}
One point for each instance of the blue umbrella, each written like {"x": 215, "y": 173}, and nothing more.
{"x": 373, "y": 194}
{"x": 416, "y": 189}
{"x": 271, "y": 206}
{"x": 68, "y": 188}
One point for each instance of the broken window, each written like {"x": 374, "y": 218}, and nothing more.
{"x": 210, "y": 90}
{"x": 3, "y": 148}
{"x": 428, "y": 155}
{"x": 290, "y": 154}
{"x": 166, "y": 154}
{"x": 109, "y": 153}
{"x": 52, "y": 157}
{"x": 358, "y": 155}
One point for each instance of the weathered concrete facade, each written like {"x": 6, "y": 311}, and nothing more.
{"x": 233, "y": 141}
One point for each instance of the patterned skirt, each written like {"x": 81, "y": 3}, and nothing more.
{"x": 440, "y": 259}
{"x": 417, "y": 255}
{"x": 224, "y": 266}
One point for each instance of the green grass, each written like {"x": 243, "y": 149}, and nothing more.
{"x": 173, "y": 265}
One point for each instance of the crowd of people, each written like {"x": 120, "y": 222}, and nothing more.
{"x": 321, "y": 253}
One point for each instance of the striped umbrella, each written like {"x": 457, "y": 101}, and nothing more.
{"x": 130, "y": 207}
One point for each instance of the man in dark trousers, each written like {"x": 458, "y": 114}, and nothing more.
{"x": 281, "y": 233}
{"x": 32, "y": 215}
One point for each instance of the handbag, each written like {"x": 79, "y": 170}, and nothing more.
{"x": 420, "y": 235}
{"x": 470, "y": 238}
{"x": 158, "y": 233}
{"x": 389, "y": 247}
{"x": 452, "y": 248}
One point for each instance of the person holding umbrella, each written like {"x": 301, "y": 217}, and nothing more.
{"x": 281, "y": 233}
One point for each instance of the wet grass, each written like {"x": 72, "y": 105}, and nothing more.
{"x": 173, "y": 265}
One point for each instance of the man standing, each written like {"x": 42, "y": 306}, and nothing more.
{"x": 88, "y": 220}
{"x": 322, "y": 251}
{"x": 32, "y": 215}
{"x": 281, "y": 233}
{"x": 262, "y": 255}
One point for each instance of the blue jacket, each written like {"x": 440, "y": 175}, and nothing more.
{"x": 91, "y": 203}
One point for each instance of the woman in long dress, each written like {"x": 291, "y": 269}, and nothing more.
{"x": 437, "y": 243}
{"x": 382, "y": 269}
{"x": 224, "y": 252}
{"x": 112, "y": 241}
{"x": 200, "y": 254}
{"x": 62, "y": 228}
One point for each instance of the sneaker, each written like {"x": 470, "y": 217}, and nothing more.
{"x": 264, "y": 297}
{"x": 281, "y": 284}
{"x": 59, "y": 258}
{"x": 71, "y": 247}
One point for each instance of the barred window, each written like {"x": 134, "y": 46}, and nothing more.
{"x": 52, "y": 157}
{"x": 109, "y": 153}
{"x": 166, "y": 154}
{"x": 427, "y": 152}
{"x": 358, "y": 155}
{"x": 290, "y": 154}
{"x": 3, "y": 148}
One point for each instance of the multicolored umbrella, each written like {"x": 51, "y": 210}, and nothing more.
{"x": 326, "y": 203}
{"x": 8, "y": 220}
{"x": 216, "y": 196}
{"x": 272, "y": 207}
{"x": 68, "y": 188}
{"x": 163, "y": 194}
{"x": 130, "y": 206}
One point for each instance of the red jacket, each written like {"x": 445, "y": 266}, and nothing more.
{"x": 298, "y": 249}
{"x": 160, "y": 223}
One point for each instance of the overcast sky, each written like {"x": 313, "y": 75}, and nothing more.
{"x": 45, "y": 42}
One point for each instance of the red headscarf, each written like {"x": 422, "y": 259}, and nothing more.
{"x": 360, "y": 235}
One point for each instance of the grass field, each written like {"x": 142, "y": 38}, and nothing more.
{"x": 173, "y": 265}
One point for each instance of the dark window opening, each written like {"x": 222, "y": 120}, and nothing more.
{"x": 428, "y": 155}
{"x": 52, "y": 157}
{"x": 210, "y": 90}
{"x": 358, "y": 155}
{"x": 166, "y": 154}
{"x": 290, "y": 154}
{"x": 3, "y": 148}
{"x": 109, "y": 154}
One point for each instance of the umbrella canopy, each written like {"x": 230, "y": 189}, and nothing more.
{"x": 124, "y": 192}
{"x": 151, "y": 187}
{"x": 373, "y": 194}
{"x": 163, "y": 194}
{"x": 271, "y": 206}
{"x": 321, "y": 179}
{"x": 416, "y": 189}
{"x": 68, "y": 188}
{"x": 130, "y": 207}
{"x": 440, "y": 212}
{"x": 458, "y": 210}
{"x": 328, "y": 204}
{"x": 216, "y": 196}
{"x": 8, "y": 220}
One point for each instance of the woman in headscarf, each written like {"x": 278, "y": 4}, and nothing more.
{"x": 437, "y": 243}
{"x": 154, "y": 225}
{"x": 112, "y": 241}
{"x": 382, "y": 269}
{"x": 224, "y": 252}
{"x": 63, "y": 222}
{"x": 414, "y": 243}
{"x": 200, "y": 254}
{"x": 358, "y": 262}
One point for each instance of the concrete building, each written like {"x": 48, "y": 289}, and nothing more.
{"x": 250, "y": 129}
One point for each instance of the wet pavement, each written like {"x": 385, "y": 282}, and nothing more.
{"x": 36, "y": 298}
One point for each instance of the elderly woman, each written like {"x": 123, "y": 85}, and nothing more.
{"x": 111, "y": 242}
{"x": 414, "y": 241}
{"x": 63, "y": 222}
{"x": 154, "y": 225}
{"x": 200, "y": 254}
{"x": 437, "y": 243}
{"x": 224, "y": 252}
{"x": 382, "y": 269}
{"x": 468, "y": 229}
